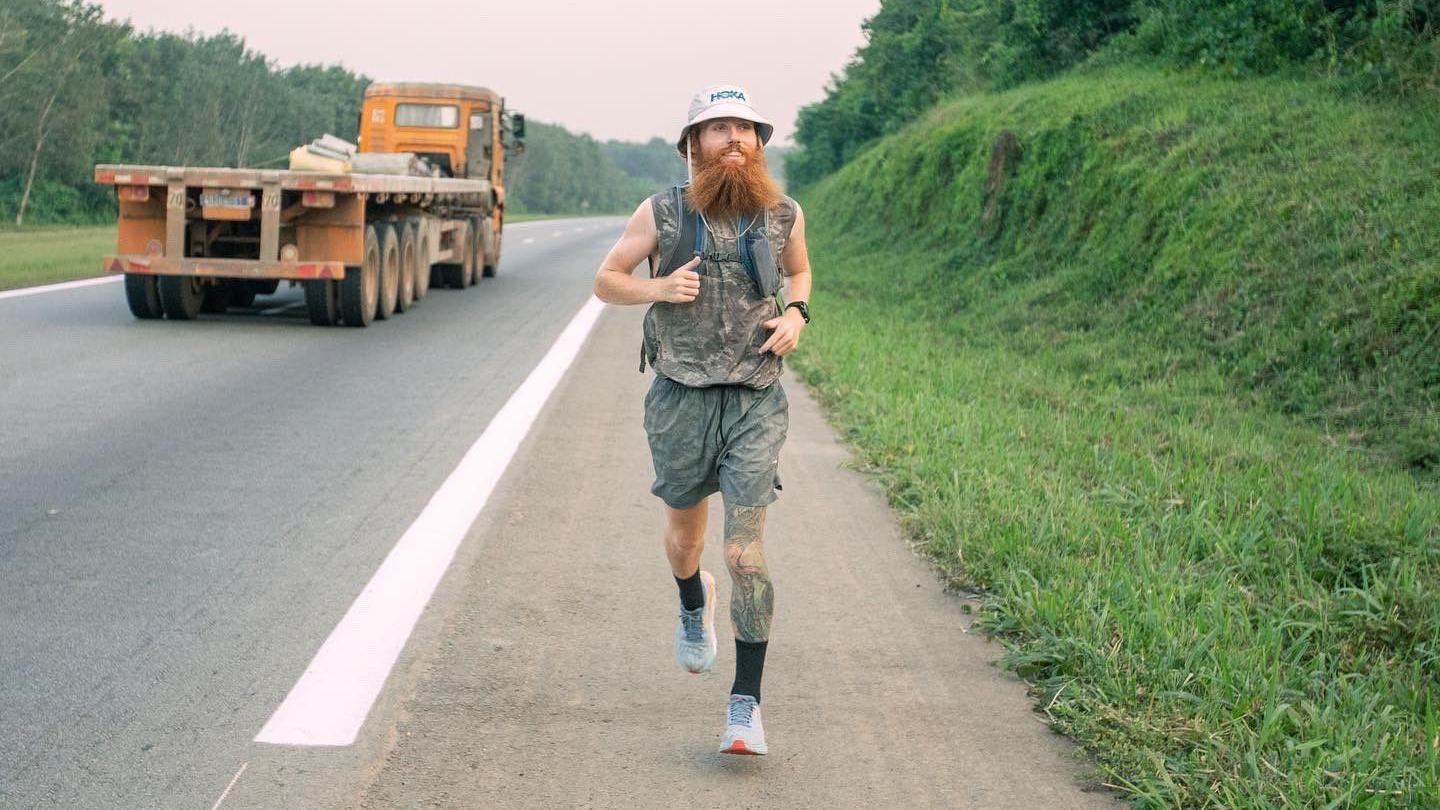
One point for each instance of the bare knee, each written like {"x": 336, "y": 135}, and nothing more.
{"x": 685, "y": 539}
{"x": 685, "y": 528}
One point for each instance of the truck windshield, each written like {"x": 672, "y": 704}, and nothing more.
{"x": 440, "y": 116}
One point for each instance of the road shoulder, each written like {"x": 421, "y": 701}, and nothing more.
{"x": 549, "y": 679}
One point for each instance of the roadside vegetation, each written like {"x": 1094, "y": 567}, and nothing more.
{"x": 1149, "y": 358}
{"x": 1171, "y": 406}
{"x": 44, "y": 255}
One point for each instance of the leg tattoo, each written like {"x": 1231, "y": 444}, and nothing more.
{"x": 752, "y": 602}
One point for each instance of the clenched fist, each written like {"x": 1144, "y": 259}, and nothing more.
{"x": 786, "y": 334}
{"x": 681, "y": 286}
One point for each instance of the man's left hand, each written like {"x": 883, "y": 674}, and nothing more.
{"x": 786, "y": 335}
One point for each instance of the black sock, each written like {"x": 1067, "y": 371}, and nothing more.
{"x": 749, "y": 666}
{"x": 692, "y": 593}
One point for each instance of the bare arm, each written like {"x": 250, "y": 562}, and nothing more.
{"x": 795, "y": 261}
{"x": 615, "y": 282}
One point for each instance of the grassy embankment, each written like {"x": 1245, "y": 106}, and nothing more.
{"x": 45, "y": 254}
{"x": 1162, "y": 379}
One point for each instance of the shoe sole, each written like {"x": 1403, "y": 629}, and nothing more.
{"x": 739, "y": 747}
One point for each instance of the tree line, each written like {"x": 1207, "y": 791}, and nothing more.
{"x": 562, "y": 172}
{"x": 77, "y": 89}
{"x": 918, "y": 51}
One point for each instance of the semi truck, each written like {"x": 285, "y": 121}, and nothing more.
{"x": 363, "y": 246}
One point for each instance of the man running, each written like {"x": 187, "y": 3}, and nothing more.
{"x": 716, "y": 415}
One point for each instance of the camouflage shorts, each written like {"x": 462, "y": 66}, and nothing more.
{"x": 725, "y": 438}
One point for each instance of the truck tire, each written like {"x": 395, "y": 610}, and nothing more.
{"x": 490, "y": 251}
{"x": 422, "y": 263}
{"x": 322, "y": 302}
{"x": 360, "y": 291}
{"x": 409, "y": 255}
{"x": 479, "y": 241}
{"x": 472, "y": 270}
{"x": 389, "y": 271}
{"x": 181, "y": 296}
{"x": 217, "y": 298}
{"x": 142, "y": 293}
{"x": 457, "y": 274}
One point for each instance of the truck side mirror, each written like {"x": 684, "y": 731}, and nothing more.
{"x": 517, "y": 125}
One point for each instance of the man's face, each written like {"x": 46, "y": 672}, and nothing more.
{"x": 730, "y": 138}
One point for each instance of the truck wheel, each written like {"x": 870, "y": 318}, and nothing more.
{"x": 181, "y": 297}
{"x": 216, "y": 298}
{"x": 472, "y": 270}
{"x": 423, "y": 270}
{"x": 143, "y": 296}
{"x": 322, "y": 301}
{"x": 389, "y": 272}
{"x": 360, "y": 291}
{"x": 408, "y": 260}
{"x": 489, "y": 252}
{"x": 457, "y": 274}
{"x": 477, "y": 229}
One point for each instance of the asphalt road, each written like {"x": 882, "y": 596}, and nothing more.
{"x": 187, "y": 510}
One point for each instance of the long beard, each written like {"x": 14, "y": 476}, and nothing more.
{"x": 721, "y": 190}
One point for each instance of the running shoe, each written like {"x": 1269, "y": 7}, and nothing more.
{"x": 743, "y": 732}
{"x": 695, "y": 637}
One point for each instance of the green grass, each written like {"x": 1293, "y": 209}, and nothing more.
{"x": 43, "y": 255}
{"x": 1167, "y": 406}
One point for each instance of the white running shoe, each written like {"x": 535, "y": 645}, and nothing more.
{"x": 743, "y": 732}
{"x": 695, "y": 637}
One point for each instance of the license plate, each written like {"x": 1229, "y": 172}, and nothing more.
{"x": 225, "y": 198}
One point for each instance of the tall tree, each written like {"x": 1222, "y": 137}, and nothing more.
{"x": 64, "y": 85}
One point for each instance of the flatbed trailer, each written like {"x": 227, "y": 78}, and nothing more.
{"x": 363, "y": 245}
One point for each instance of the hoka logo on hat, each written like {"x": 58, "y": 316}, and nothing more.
{"x": 739, "y": 94}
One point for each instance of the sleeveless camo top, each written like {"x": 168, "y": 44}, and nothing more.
{"x": 713, "y": 339}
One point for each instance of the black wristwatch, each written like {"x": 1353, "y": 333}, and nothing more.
{"x": 804, "y": 310}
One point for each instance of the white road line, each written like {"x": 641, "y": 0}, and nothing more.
{"x": 64, "y": 285}
{"x": 233, "y": 780}
{"x": 331, "y": 700}
{"x": 558, "y": 233}
{"x": 579, "y": 230}
{"x": 527, "y": 240}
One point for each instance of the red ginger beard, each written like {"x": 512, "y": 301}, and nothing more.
{"x": 724, "y": 191}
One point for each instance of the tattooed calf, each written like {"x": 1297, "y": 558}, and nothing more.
{"x": 752, "y": 601}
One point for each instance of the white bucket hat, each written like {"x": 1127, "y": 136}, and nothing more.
{"x": 723, "y": 101}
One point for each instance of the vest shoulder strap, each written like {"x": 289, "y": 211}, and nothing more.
{"x": 690, "y": 239}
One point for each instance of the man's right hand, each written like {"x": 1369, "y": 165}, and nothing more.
{"x": 681, "y": 286}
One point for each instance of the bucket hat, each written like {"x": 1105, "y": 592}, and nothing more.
{"x": 723, "y": 101}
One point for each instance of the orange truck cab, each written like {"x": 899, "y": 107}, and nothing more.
{"x": 458, "y": 129}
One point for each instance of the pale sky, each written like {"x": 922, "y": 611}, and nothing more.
{"x": 613, "y": 68}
